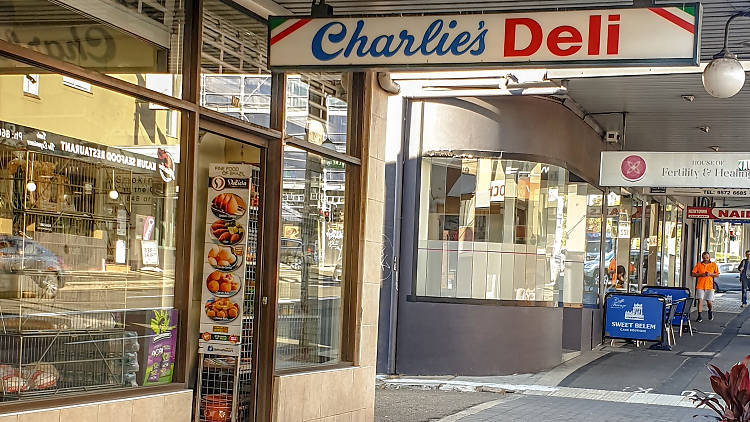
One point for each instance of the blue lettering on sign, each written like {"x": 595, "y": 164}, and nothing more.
{"x": 438, "y": 39}
{"x": 635, "y": 317}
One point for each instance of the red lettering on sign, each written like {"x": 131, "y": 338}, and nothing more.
{"x": 510, "y": 37}
{"x": 595, "y": 34}
{"x": 556, "y": 38}
{"x": 564, "y": 40}
{"x": 613, "y": 35}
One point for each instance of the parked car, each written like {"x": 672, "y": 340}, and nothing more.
{"x": 26, "y": 257}
{"x": 728, "y": 279}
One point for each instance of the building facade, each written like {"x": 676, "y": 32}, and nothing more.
{"x": 505, "y": 245}
{"x": 184, "y": 234}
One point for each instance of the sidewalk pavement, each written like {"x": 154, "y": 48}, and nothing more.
{"x": 621, "y": 381}
{"x": 519, "y": 408}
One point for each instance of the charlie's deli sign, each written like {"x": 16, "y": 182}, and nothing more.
{"x": 634, "y": 36}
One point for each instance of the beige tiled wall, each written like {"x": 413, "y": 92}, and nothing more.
{"x": 169, "y": 407}
{"x": 348, "y": 394}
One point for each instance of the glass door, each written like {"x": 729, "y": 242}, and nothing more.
{"x": 228, "y": 189}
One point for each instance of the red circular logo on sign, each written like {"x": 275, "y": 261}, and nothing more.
{"x": 633, "y": 168}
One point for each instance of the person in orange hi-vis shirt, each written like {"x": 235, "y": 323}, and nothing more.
{"x": 705, "y": 272}
{"x": 612, "y": 271}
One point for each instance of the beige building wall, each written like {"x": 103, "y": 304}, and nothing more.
{"x": 168, "y": 407}
{"x": 101, "y": 116}
{"x": 348, "y": 394}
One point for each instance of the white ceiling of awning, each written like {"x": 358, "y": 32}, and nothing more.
{"x": 658, "y": 119}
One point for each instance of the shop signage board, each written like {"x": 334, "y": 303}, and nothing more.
{"x": 224, "y": 256}
{"x": 633, "y": 36}
{"x": 722, "y": 193}
{"x": 709, "y": 213}
{"x": 720, "y": 170}
{"x": 671, "y": 294}
{"x": 634, "y": 316}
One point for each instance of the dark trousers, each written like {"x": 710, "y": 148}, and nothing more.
{"x": 745, "y": 286}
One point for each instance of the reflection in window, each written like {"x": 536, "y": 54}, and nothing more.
{"x": 88, "y": 207}
{"x": 234, "y": 76}
{"x": 309, "y": 320}
{"x": 316, "y": 109}
{"x": 502, "y": 229}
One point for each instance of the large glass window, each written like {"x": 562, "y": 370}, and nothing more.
{"x": 88, "y": 205}
{"x": 235, "y": 79}
{"x": 492, "y": 228}
{"x": 139, "y": 41}
{"x": 316, "y": 109}
{"x": 310, "y": 289}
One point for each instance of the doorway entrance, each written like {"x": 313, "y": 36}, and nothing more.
{"x": 229, "y": 187}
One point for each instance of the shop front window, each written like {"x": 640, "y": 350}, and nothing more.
{"x": 316, "y": 109}
{"x": 88, "y": 206}
{"x": 235, "y": 79}
{"x": 501, "y": 229}
{"x": 140, "y": 43}
{"x": 310, "y": 289}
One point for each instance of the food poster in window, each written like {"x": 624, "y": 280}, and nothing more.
{"x": 223, "y": 269}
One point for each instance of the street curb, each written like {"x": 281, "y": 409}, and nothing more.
{"x": 471, "y": 411}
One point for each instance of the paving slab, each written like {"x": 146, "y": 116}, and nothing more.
{"x": 532, "y": 408}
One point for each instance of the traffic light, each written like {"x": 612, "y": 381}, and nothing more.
{"x": 327, "y": 215}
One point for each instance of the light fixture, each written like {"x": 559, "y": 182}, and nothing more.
{"x": 705, "y": 128}
{"x": 724, "y": 75}
{"x": 31, "y": 186}
{"x": 688, "y": 97}
{"x": 113, "y": 194}
{"x": 714, "y": 148}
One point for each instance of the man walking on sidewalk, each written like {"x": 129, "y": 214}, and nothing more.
{"x": 744, "y": 269}
{"x": 705, "y": 272}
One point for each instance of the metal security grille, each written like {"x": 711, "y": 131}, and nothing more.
{"x": 224, "y": 378}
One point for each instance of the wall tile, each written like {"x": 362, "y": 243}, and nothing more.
{"x": 149, "y": 409}
{"x": 368, "y": 345}
{"x": 119, "y": 411}
{"x": 43, "y": 416}
{"x": 374, "y": 220}
{"x": 373, "y": 262}
{"x": 378, "y": 134}
{"x": 178, "y": 407}
{"x": 291, "y": 389}
{"x": 311, "y": 400}
{"x": 370, "y": 302}
{"x": 376, "y": 179}
{"x": 362, "y": 415}
{"x": 343, "y": 417}
{"x": 9, "y": 418}
{"x": 79, "y": 413}
{"x": 336, "y": 396}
